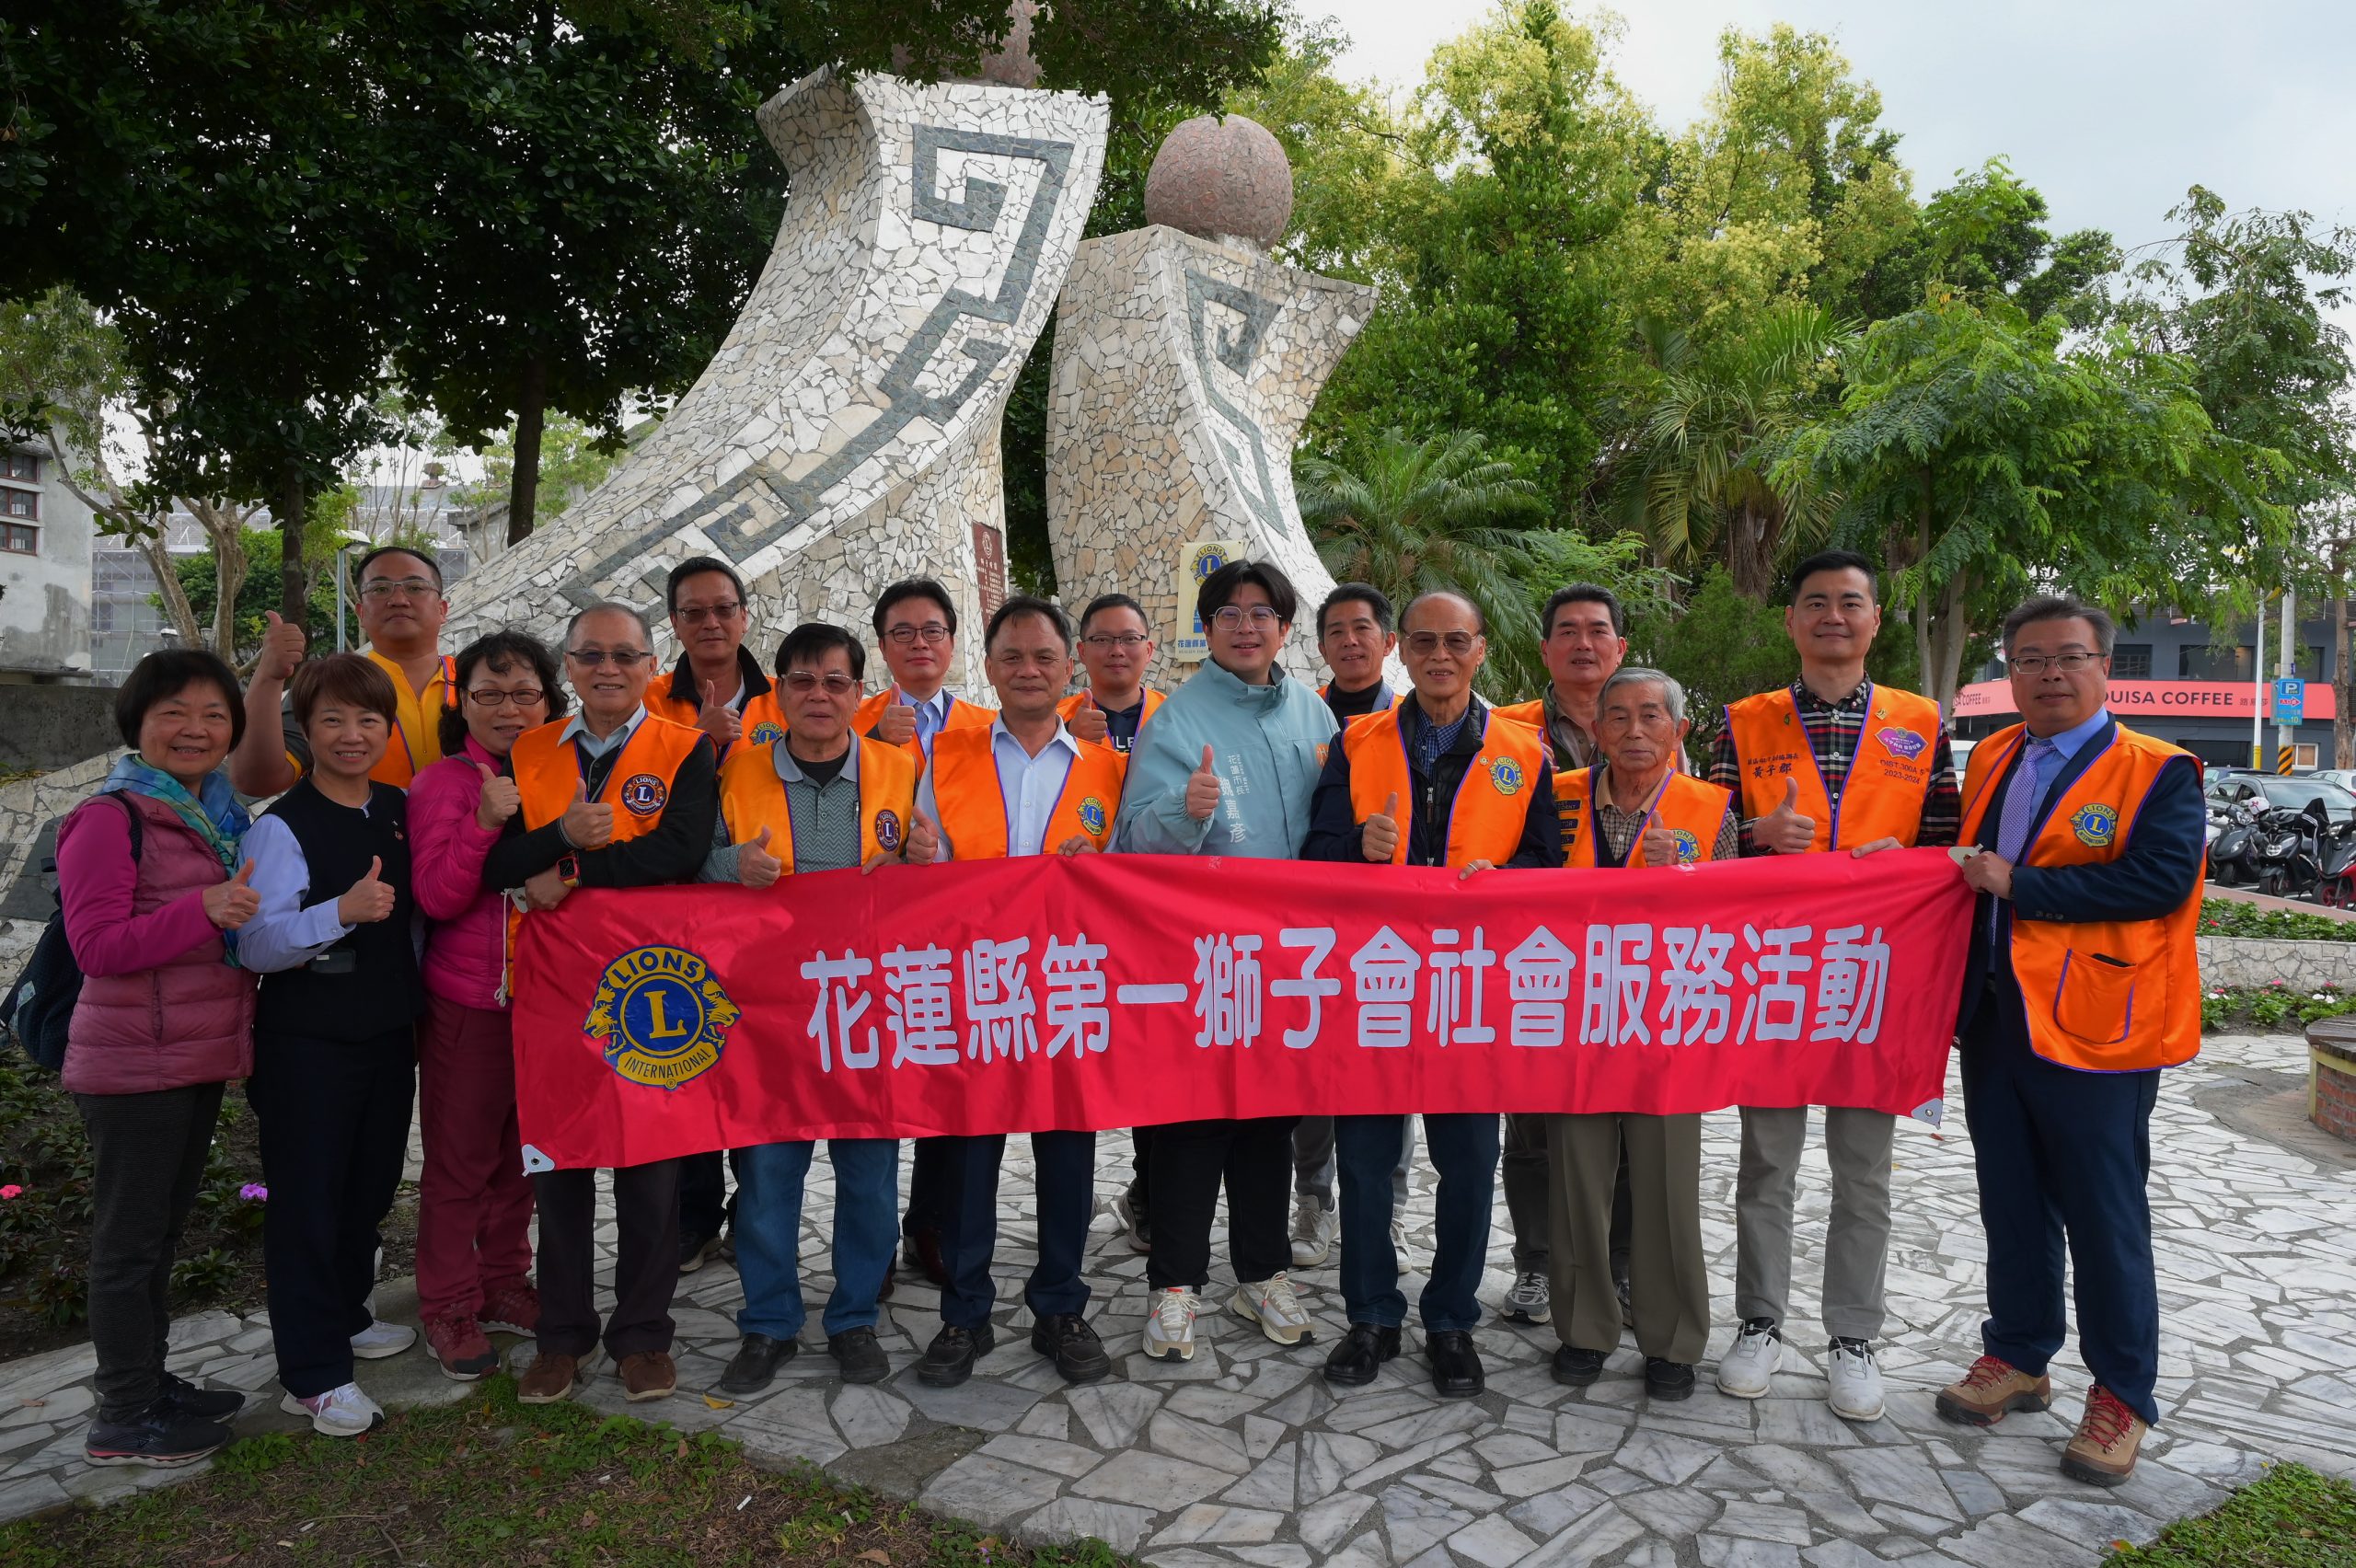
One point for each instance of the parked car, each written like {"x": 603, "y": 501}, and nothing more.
{"x": 2280, "y": 792}
{"x": 2343, "y": 777}
{"x": 1962, "y": 752}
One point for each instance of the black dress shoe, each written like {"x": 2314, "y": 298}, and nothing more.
{"x": 1668, "y": 1379}
{"x": 756, "y": 1362}
{"x": 1456, "y": 1365}
{"x": 949, "y": 1359}
{"x": 1065, "y": 1339}
{"x": 860, "y": 1358}
{"x": 1577, "y": 1368}
{"x": 921, "y": 1252}
{"x": 204, "y": 1404}
{"x": 1360, "y": 1354}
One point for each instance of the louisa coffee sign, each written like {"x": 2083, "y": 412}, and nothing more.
{"x": 2200, "y": 699}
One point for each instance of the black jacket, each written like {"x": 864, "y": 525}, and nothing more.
{"x": 1335, "y": 832}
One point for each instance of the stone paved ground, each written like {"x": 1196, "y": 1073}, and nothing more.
{"x": 1245, "y": 1457}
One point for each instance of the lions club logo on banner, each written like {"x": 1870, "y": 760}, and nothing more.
{"x": 1091, "y": 817}
{"x": 1506, "y": 774}
{"x": 769, "y": 731}
{"x": 662, "y": 1016}
{"x": 643, "y": 794}
{"x": 1902, "y": 743}
{"x": 1688, "y": 848}
{"x": 2096, "y": 825}
{"x": 887, "y": 830}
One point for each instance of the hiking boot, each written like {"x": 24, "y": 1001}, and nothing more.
{"x": 648, "y": 1374}
{"x": 163, "y": 1435}
{"x": 552, "y": 1378}
{"x": 457, "y": 1343}
{"x": 2103, "y": 1453}
{"x": 510, "y": 1309}
{"x": 1990, "y": 1390}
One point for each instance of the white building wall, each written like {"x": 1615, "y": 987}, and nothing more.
{"x": 44, "y": 577}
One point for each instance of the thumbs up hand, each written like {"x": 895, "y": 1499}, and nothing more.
{"x": 896, "y": 725}
{"x": 1379, "y": 835}
{"x": 1785, "y": 830}
{"x": 231, "y": 904}
{"x": 716, "y": 719}
{"x": 1203, "y": 790}
{"x": 367, "y": 900}
{"x": 587, "y": 824}
{"x": 1088, "y": 722}
{"x": 282, "y": 649}
{"x": 924, "y": 840}
{"x": 499, "y": 801}
{"x": 755, "y": 867}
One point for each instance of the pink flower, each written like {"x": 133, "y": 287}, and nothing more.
{"x": 254, "y": 1191}
{"x": 11, "y": 1191}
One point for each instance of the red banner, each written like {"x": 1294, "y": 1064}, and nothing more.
{"x": 1125, "y": 990}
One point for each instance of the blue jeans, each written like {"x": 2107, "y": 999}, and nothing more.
{"x": 1062, "y": 1177}
{"x": 1463, "y": 1148}
{"x": 769, "y": 1232}
{"x": 2063, "y": 1158}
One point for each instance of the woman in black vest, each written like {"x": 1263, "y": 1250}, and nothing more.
{"x": 335, "y": 1039}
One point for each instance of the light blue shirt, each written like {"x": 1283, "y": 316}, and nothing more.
{"x": 578, "y": 733}
{"x": 2070, "y": 740}
{"x": 1028, "y": 787}
{"x": 286, "y": 933}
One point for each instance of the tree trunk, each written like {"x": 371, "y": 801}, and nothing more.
{"x": 1943, "y": 669}
{"x": 1924, "y": 628}
{"x": 1752, "y": 554}
{"x": 294, "y": 508}
{"x": 224, "y": 527}
{"x": 2343, "y": 679}
{"x": 177, "y": 609}
{"x": 524, "y": 489}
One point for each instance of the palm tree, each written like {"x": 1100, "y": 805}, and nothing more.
{"x": 1415, "y": 516}
{"x": 1707, "y": 443}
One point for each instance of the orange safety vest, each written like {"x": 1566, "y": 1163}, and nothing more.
{"x": 547, "y": 770}
{"x": 752, "y": 797}
{"x": 1080, "y": 699}
{"x": 1691, "y": 809}
{"x": 1484, "y": 819}
{"x": 973, "y": 807}
{"x": 1881, "y": 798}
{"x": 1530, "y": 715}
{"x": 2101, "y": 996}
{"x": 963, "y": 715}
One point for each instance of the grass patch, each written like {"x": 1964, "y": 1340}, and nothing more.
{"x": 2275, "y": 1007}
{"x": 2291, "y": 1517}
{"x": 493, "y": 1481}
{"x": 2230, "y": 918}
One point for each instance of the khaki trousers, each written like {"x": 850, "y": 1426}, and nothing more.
{"x": 1669, "y": 1279}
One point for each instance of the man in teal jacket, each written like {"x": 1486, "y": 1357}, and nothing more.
{"x": 1225, "y": 767}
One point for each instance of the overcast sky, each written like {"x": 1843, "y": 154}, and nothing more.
{"x": 2110, "y": 109}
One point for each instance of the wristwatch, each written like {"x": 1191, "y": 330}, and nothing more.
{"x": 569, "y": 871}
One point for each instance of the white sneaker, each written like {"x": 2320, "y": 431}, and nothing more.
{"x": 339, "y": 1413}
{"x": 1757, "y": 1354}
{"x": 1271, "y": 1304}
{"x": 1398, "y": 1245}
{"x": 1855, "y": 1381}
{"x": 1528, "y": 1301}
{"x": 1170, "y": 1327}
{"x": 1313, "y": 1229}
{"x": 381, "y": 1339}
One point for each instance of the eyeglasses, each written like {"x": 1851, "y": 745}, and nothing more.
{"x": 696, "y": 615}
{"x": 2068, "y": 663}
{"x": 804, "y": 683}
{"x": 492, "y": 697}
{"x": 407, "y": 588}
{"x": 930, "y": 631}
{"x": 1014, "y": 659}
{"x": 623, "y": 659}
{"x": 1230, "y": 617}
{"x": 1117, "y": 639}
{"x": 1423, "y": 644}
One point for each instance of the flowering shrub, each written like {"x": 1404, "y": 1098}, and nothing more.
{"x": 2231, "y": 918}
{"x": 2272, "y": 1006}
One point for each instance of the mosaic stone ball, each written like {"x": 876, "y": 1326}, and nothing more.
{"x": 1216, "y": 177}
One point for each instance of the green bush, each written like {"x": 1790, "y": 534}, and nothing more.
{"x": 2231, "y": 918}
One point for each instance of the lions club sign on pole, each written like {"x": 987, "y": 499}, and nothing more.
{"x": 1117, "y": 991}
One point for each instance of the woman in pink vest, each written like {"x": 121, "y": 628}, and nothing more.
{"x": 165, "y": 1019}
{"x": 474, "y": 1211}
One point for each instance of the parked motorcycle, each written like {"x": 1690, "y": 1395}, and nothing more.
{"x": 2234, "y": 836}
{"x": 2288, "y": 851}
{"x": 2337, "y": 886}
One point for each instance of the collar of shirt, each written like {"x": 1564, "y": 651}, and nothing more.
{"x": 788, "y": 767}
{"x": 1000, "y": 736}
{"x": 1806, "y": 699}
{"x": 750, "y": 682}
{"x": 1464, "y": 736}
{"x": 578, "y": 733}
{"x": 938, "y": 705}
{"x": 1572, "y": 744}
{"x": 1218, "y": 677}
{"x": 2070, "y": 740}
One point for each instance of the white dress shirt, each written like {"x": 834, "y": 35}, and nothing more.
{"x": 577, "y": 732}
{"x": 1028, "y": 787}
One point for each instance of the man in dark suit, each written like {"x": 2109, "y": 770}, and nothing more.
{"x": 2084, "y": 841}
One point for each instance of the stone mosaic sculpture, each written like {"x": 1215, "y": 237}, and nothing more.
{"x": 1185, "y": 361}
{"x": 846, "y": 433}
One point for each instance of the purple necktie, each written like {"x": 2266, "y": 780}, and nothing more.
{"x": 2021, "y": 799}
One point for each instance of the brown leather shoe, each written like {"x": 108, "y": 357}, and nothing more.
{"x": 2103, "y": 1453}
{"x": 551, "y": 1379}
{"x": 1990, "y": 1390}
{"x": 648, "y": 1374}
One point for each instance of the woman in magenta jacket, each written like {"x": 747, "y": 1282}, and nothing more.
{"x": 164, "y": 1019}
{"x": 474, "y": 1253}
